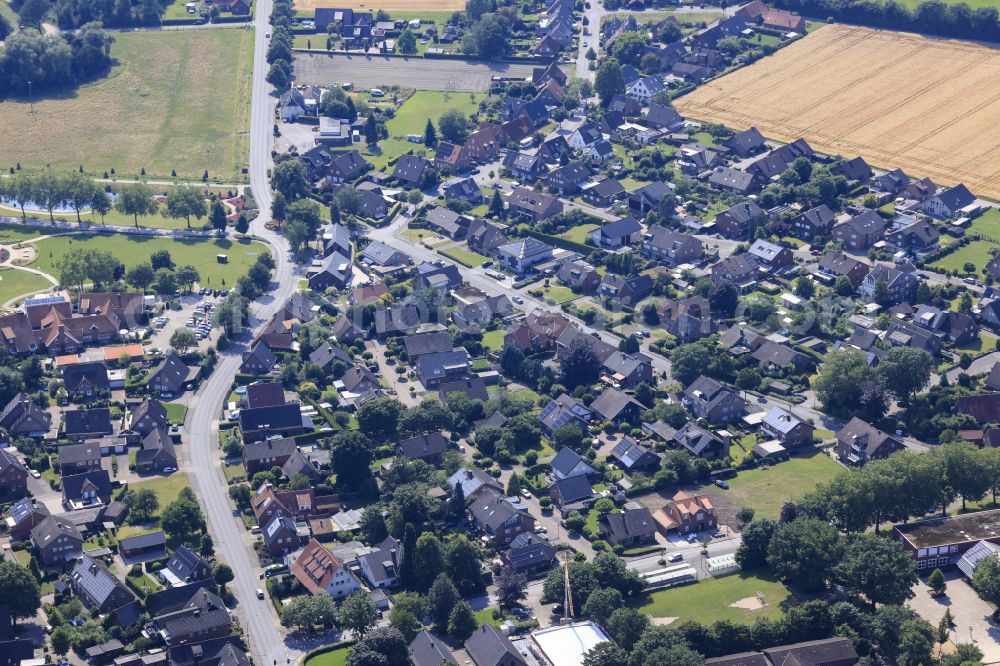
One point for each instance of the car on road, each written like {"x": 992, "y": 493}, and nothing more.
{"x": 718, "y": 534}
{"x": 35, "y": 474}
{"x": 260, "y": 593}
{"x": 517, "y": 299}
{"x": 169, "y": 470}
{"x": 675, "y": 557}
{"x": 525, "y": 493}
{"x": 541, "y": 529}
{"x": 255, "y": 529}
{"x": 487, "y": 264}
{"x": 722, "y": 484}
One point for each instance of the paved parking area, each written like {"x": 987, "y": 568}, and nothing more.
{"x": 365, "y": 72}
{"x": 973, "y": 616}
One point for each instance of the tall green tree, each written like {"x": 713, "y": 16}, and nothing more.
{"x": 804, "y": 552}
{"x": 609, "y": 80}
{"x": 877, "y": 569}
{"x": 19, "y": 590}
{"x": 357, "y": 613}
{"x": 136, "y": 199}
{"x": 187, "y": 202}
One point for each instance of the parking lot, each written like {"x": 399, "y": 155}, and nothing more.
{"x": 192, "y": 315}
{"x": 324, "y": 69}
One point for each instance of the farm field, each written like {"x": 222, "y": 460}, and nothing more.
{"x": 14, "y": 283}
{"x": 176, "y": 100}
{"x": 897, "y": 99}
{"x": 767, "y": 489}
{"x": 731, "y": 598}
{"x": 135, "y": 249}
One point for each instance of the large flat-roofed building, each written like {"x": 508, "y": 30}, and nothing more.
{"x": 566, "y": 645}
{"x": 939, "y": 542}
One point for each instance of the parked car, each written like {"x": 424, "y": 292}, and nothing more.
{"x": 722, "y": 484}
{"x": 35, "y": 474}
{"x": 675, "y": 557}
{"x": 260, "y": 593}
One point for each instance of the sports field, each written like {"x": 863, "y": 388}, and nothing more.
{"x": 928, "y": 106}
{"x": 176, "y": 100}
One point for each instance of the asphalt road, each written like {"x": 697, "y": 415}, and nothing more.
{"x": 232, "y": 544}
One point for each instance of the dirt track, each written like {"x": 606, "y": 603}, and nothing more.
{"x": 928, "y": 106}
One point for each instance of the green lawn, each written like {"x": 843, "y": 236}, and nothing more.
{"x": 175, "y": 412}
{"x": 976, "y": 252}
{"x": 135, "y": 249}
{"x": 176, "y": 100}
{"x": 467, "y": 258}
{"x": 558, "y": 294}
{"x": 411, "y": 117}
{"x": 714, "y": 598}
{"x": 985, "y": 342}
{"x": 336, "y": 657}
{"x": 704, "y": 138}
{"x": 10, "y": 234}
{"x": 234, "y": 471}
{"x": 987, "y": 225}
{"x": 116, "y": 219}
{"x": 485, "y": 616}
{"x": 579, "y": 233}
{"x": 14, "y": 283}
{"x": 767, "y": 490}
{"x": 166, "y": 487}
{"x": 493, "y": 340}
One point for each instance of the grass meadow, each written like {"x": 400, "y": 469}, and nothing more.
{"x": 175, "y": 100}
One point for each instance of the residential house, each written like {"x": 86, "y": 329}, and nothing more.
{"x": 568, "y": 179}
{"x": 564, "y": 410}
{"x": 529, "y": 554}
{"x": 278, "y": 420}
{"x": 734, "y": 180}
{"x": 571, "y": 493}
{"x": 686, "y": 514}
{"x": 381, "y": 567}
{"x": 713, "y": 401}
{"x": 473, "y": 481}
{"x": 265, "y": 394}
{"x": 664, "y": 117}
{"x": 861, "y": 231}
{"x": 86, "y": 380}
{"x": 538, "y": 332}
{"x": 281, "y": 535}
{"x": 629, "y": 290}
{"x": 524, "y": 254}
{"x": 532, "y": 205}
{"x": 620, "y": 233}
{"x": 346, "y": 166}
{"x": 671, "y": 247}
{"x": 955, "y": 327}
{"x": 426, "y": 649}
{"x": 632, "y": 456}
{"x": 599, "y": 152}
{"x": 410, "y": 170}
{"x": 464, "y": 189}
{"x": 430, "y": 448}
{"x": 900, "y": 282}
{"x": 97, "y": 587}
{"x": 79, "y": 458}
{"x": 452, "y": 157}
{"x": 890, "y": 183}
{"x": 919, "y": 236}
{"x": 618, "y": 407}
{"x": 628, "y": 370}
{"x": 770, "y": 258}
{"x": 334, "y": 271}
{"x": 489, "y": 647}
{"x": 649, "y": 196}
{"x": 835, "y": 264}
{"x": 262, "y": 456}
{"x": 858, "y": 443}
{"x": 498, "y": 518}
{"x": 185, "y": 566}
{"x": 787, "y": 428}
{"x": 13, "y": 476}
{"x": 738, "y": 269}
{"x": 484, "y": 144}
{"x": 149, "y": 415}
{"x": 630, "y": 527}
{"x": 86, "y": 489}
{"x": 949, "y": 202}
{"x": 644, "y": 89}
{"x": 260, "y": 360}
{"x": 482, "y": 312}
{"x": 813, "y": 224}
{"x": 171, "y": 377}
{"x": 447, "y": 222}
{"x": 57, "y": 539}
{"x": 23, "y": 516}
{"x": 908, "y": 334}
{"x": 746, "y": 143}
{"x": 740, "y": 221}
{"x": 81, "y": 424}
{"x": 687, "y": 320}
{"x": 435, "y": 368}
{"x": 775, "y": 357}
{"x": 318, "y": 569}
{"x": 855, "y": 170}
{"x": 23, "y": 418}
{"x": 157, "y": 453}
{"x": 585, "y": 135}
{"x": 204, "y": 616}
{"x": 579, "y": 276}
{"x": 485, "y": 237}
{"x": 378, "y": 253}
{"x": 568, "y": 462}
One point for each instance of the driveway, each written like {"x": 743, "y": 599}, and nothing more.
{"x": 973, "y": 616}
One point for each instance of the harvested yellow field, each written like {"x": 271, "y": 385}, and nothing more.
{"x": 928, "y": 106}
{"x": 387, "y": 5}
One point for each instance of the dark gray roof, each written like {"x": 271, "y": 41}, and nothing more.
{"x": 574, "y": 488}
{"x": 326, "y": 353}
{"x": 94, "y": 373}
{"x": 611, "y": 403}
{"x": 87, "y": 421}
{"x": 188, "y": 565}
{"x": 629, "y": 523}
{"x": 72, "y": 486}
{"x": 527, "y": 550}
{"x": 150, "y": 540}
{"x": 427, "y": 343}
{"x": 73, "y": 454}
{"x": 492, "y": 509}
{"x": 431, "y": 444}
{"x": 274, "y": 417}
{"x": 271, "y": 448}
{"x": 97, "y": 581}
{"x": 488, "y": 647}
{"x": 428, "y": 650}
{"x": 434, "y": 365}
{"x": 53, "y": 527}
{"x": 567, "y": 460}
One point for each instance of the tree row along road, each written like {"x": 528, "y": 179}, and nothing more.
{"x": 259, "y": 621}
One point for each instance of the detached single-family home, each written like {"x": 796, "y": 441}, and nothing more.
{"x": 631, "y": 527}
{"x": 785, "y": 427}
{"x": 686, "y": 513}
{"x": 619, "y": 233}
{"x": 713, "y": 401}
{"x": 859, "y": 442}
